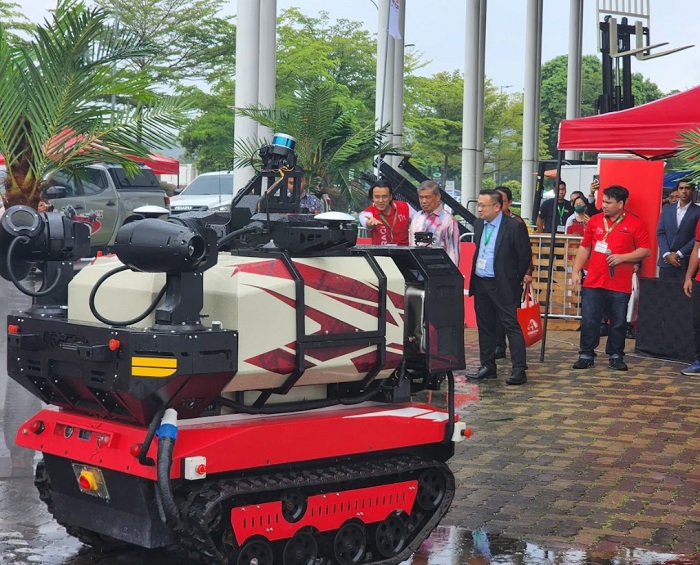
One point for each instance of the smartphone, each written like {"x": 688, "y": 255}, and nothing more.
{"x": 596, "y": 179}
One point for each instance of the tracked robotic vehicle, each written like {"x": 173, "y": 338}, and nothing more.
{"x": 240, "y": 384}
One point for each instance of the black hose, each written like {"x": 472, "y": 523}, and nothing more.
{"x": 166, "y": 445}
{"x": 23, "y": 239}
{"x": 145, "y": 446}
{"x": 254, "y": 227}
{"x": 109, "y": 322}
{"x": 297, "y": 406}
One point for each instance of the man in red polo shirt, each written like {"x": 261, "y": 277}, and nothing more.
{"x": 612, "y": 243}
{"x": 386, "y": 219}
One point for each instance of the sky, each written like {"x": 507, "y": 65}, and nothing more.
{"x": 436, "y": 28}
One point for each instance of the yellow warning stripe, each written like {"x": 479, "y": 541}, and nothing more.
{"x": 157, "y": 367}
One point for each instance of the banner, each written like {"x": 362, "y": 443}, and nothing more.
{"x": 394, "y": 28}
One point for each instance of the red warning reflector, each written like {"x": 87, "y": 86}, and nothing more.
{"x": 12, "y": 329}
{"x": 134, "y": 449}
{"x": 113, "y": 344}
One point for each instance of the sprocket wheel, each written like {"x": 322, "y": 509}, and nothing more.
{"x": 432, "y": 487}
{"x": 293, "y": 506}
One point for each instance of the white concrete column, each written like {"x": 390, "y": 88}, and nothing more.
{"x": 471, "y": 93}
{"x": 481, "y": 77}
{"x": 573, "y": 77}
{"x": 397, "y": 103}
{"x": 531, "y": 102}
{"x": 268, "y": 61}
{"x": 247, "y": 61}
{"x": 384, "y": 93}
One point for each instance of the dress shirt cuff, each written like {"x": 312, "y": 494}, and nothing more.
{"x": 666, "y": 254}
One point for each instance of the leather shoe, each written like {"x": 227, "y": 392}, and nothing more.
{"x": 617, "y": 364}
{"x": 500, "y": 353}
{"x": 483, "y": 373}
{"x": 517, "y": 377}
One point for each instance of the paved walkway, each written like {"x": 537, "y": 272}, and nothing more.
{"x": 595, "y": 459}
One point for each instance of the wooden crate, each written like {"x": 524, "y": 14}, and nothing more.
{"x": 565, "y": 300}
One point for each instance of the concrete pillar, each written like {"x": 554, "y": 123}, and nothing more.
{"x": 384, "y": 97}
{"x": 397, "y": 103}
{"x": 573, "y": 77}
{"x": 247, "y": 62}
{"x": 481, "y": 76}
{"x": 268, "y": 61}
{"x": 471, "y": 94}
{"x": 531, "y": 103}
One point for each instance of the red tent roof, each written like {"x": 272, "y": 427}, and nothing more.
{"x": 160, "y": 164}
{"x": 649, "y": 130}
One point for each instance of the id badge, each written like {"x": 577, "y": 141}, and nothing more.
{"x": 481, "y": 264}
{"x": 561, "y": 229}
{"x": 601, "y": 247}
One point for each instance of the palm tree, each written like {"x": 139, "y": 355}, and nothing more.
{"x": 329, "y": 141}
{"x": 690, "y": 153}
{"x": 56, "y": 101}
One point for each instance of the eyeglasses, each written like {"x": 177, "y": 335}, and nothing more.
{"x": 381, "y": 197}
{"x": 485, "y": 205}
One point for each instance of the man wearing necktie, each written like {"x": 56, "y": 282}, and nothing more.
{"x": 502, "y": 258}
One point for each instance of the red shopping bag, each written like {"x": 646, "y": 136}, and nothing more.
{"x": 529, "y": 318}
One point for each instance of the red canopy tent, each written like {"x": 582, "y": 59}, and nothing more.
{"x": 650, "y": 130}
{"x": 160, "y": 164}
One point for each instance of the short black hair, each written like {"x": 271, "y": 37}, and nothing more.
{"x": 380, "y": 184}
{"x": 505, "y": 190}
{"x": 692, "y": 184}
{"x": 494, "y": 194}
{"x": 617, "y": 192}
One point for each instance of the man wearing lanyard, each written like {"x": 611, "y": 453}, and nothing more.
{"x": 387, "y": 219}
{"x": 503, "y": 258}
{"x": 612, "y": 243}
{"x": 563, "y": 211}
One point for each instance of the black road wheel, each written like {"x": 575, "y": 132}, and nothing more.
{"x": 293, "y": 506}
{"x": 256, "y": 550}
{"x": 350, "y": 543}
{"x": 390, "y": 536}
{"x": 431, "y": 489}
{"x": 300, "y": 549}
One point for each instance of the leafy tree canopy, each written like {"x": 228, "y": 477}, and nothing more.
{"x": 55, "y": 101}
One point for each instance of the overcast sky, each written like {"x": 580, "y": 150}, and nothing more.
{"x": 436, "y": 28}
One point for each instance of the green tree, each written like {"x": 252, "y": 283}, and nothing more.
{"x": 434, "y": 122}
{"x": 553, "y": 93}
{"x": 189, "y": 40}
{"x": 55, "y": 110}
{"x": 207, "y": 138}
{"x": 12, "y": 20}
{"x": 330, "y": 142}
{"x": 315, "y": 50}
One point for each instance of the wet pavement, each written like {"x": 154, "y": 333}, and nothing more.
{"x": 576, "y": 467}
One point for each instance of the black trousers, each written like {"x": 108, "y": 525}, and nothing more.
{"x": 673, "y": 273}
{"x": 696, "y": 317}
{"x": 492, "y": 310}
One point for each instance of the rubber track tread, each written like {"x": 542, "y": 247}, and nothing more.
{"x": 204, "y": 501}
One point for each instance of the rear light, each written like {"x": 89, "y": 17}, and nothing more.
{"x": 166, "y": 199}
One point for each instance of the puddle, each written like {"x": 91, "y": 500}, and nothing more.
{"x": 457, "y": 546}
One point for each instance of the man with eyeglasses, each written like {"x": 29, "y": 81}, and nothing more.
{"x": 386, "y": 219}
{"x": 501, "y": 260}
{"x": 435, "y": 220}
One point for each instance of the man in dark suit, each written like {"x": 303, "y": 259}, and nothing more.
{"x": 676, "y": 233}
{"x": 502, "y": 258}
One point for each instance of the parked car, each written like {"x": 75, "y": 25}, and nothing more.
{"x": 204, "y": 192}
{"x": 105, "y": 197}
